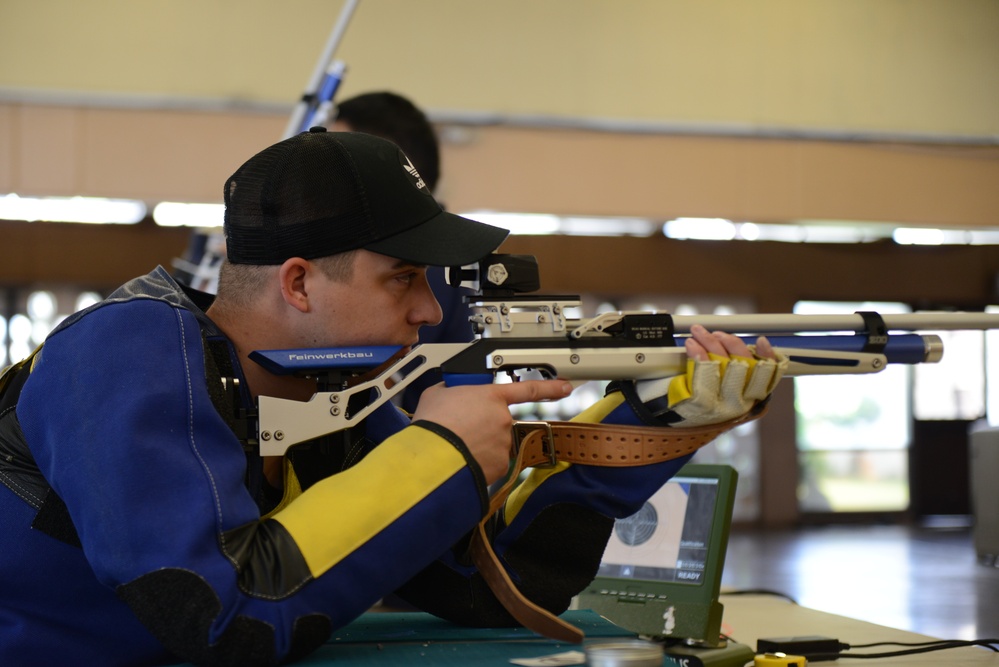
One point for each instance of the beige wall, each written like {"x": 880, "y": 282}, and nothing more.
{"x": 923, "y": 66}
{"x": 666, "y": 176}
{"x": 162, "y": 99}
{"x": 158, "y": 155}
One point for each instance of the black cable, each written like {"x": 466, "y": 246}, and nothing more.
{"x": 761, "y": 591}
{"x": 923, "y": 647}
{"x": 987, "y": 642}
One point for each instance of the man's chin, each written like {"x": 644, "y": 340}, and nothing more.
{"x": 403, "y": 350}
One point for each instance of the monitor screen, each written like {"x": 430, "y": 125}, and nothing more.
{"x": 661, "y": 570}
{"x": 669, "y": 538}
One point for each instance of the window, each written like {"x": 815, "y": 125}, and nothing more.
{"x": 853, "y": 432}
{"x": 953, "y": 388}
{"x": 992, "y": 371}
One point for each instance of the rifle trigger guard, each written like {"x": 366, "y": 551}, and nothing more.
{"x": 522, "y": 429}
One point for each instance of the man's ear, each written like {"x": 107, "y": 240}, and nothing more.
{"x": 293, "y": 274}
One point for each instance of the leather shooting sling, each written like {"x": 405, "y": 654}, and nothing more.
{"x": 547, "y": 443}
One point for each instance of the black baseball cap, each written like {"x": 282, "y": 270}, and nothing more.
{"x": 320, "y": 193}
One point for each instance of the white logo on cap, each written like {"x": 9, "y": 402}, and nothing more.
{"x": 411, "y": 170}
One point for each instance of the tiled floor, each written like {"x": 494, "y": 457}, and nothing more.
{"x": 925, "y": 580}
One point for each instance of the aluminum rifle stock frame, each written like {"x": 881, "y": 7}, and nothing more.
{"x": 518, "y": 333}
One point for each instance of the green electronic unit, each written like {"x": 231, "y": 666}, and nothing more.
{"x": 732, "y": 654}
{"x": 661, "y": 571}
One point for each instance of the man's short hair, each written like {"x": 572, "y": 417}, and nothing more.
{"x": 241, "y": 284}
{"x": 393, "y": 117}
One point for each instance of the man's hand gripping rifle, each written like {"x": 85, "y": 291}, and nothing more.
{"x": 518, "y": 332}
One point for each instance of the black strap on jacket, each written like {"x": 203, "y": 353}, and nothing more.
{"x": 18, "y": 470}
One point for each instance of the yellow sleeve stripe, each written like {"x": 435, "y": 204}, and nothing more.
{"x": 594, "y": 414}
{"x": 519, "y": 495}
{"x": 598, "y": 412}
{"x": 292, "y": 489}
{"x": 336, "y": 516}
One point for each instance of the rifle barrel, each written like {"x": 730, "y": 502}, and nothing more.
{"x": 899, "y": 349}
{"x": 795, "y": 323}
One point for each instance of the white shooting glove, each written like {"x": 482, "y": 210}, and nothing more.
{"x": 714, "y": 391}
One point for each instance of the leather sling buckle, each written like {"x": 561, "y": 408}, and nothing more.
{"x": 523, "y": 429}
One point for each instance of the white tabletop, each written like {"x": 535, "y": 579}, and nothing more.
{"x": 749, "y": 617}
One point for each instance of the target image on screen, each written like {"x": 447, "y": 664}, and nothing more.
{"x": 669, "y": 538}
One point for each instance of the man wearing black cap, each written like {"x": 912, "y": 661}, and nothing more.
{"x": 394, "y": 117}
{"x": 138, "y": 531}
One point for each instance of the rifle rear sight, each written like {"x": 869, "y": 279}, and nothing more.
{"x": 500, "y": 308}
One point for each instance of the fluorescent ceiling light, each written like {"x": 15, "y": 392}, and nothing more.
{"x": 783, "y": 233}
{"x": 176, "y": 214}
{"x": 100, "y": 210}
{"x": 540, "y": 223}
{"x": 749, "y": 231}
{"x": 594, "y": 226}
{"x": 983, "y": 237}
{"x": 96, "y": 210}
{"x": 836, "y": 234}
{"x": 707, "y": 229}
{"x": 918, "y": 236}
{"x": 518, "y": 223}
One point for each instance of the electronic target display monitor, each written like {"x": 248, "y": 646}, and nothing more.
{"x": 661, "y": 571}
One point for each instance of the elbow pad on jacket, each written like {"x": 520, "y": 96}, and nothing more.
{"x": 179, "y": 608}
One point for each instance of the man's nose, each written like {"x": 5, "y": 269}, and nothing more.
{"x": 426, "y": 311}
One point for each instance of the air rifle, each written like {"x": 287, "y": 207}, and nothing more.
{"x": 519, "y": 332}
{"x": 316, "y": 105}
